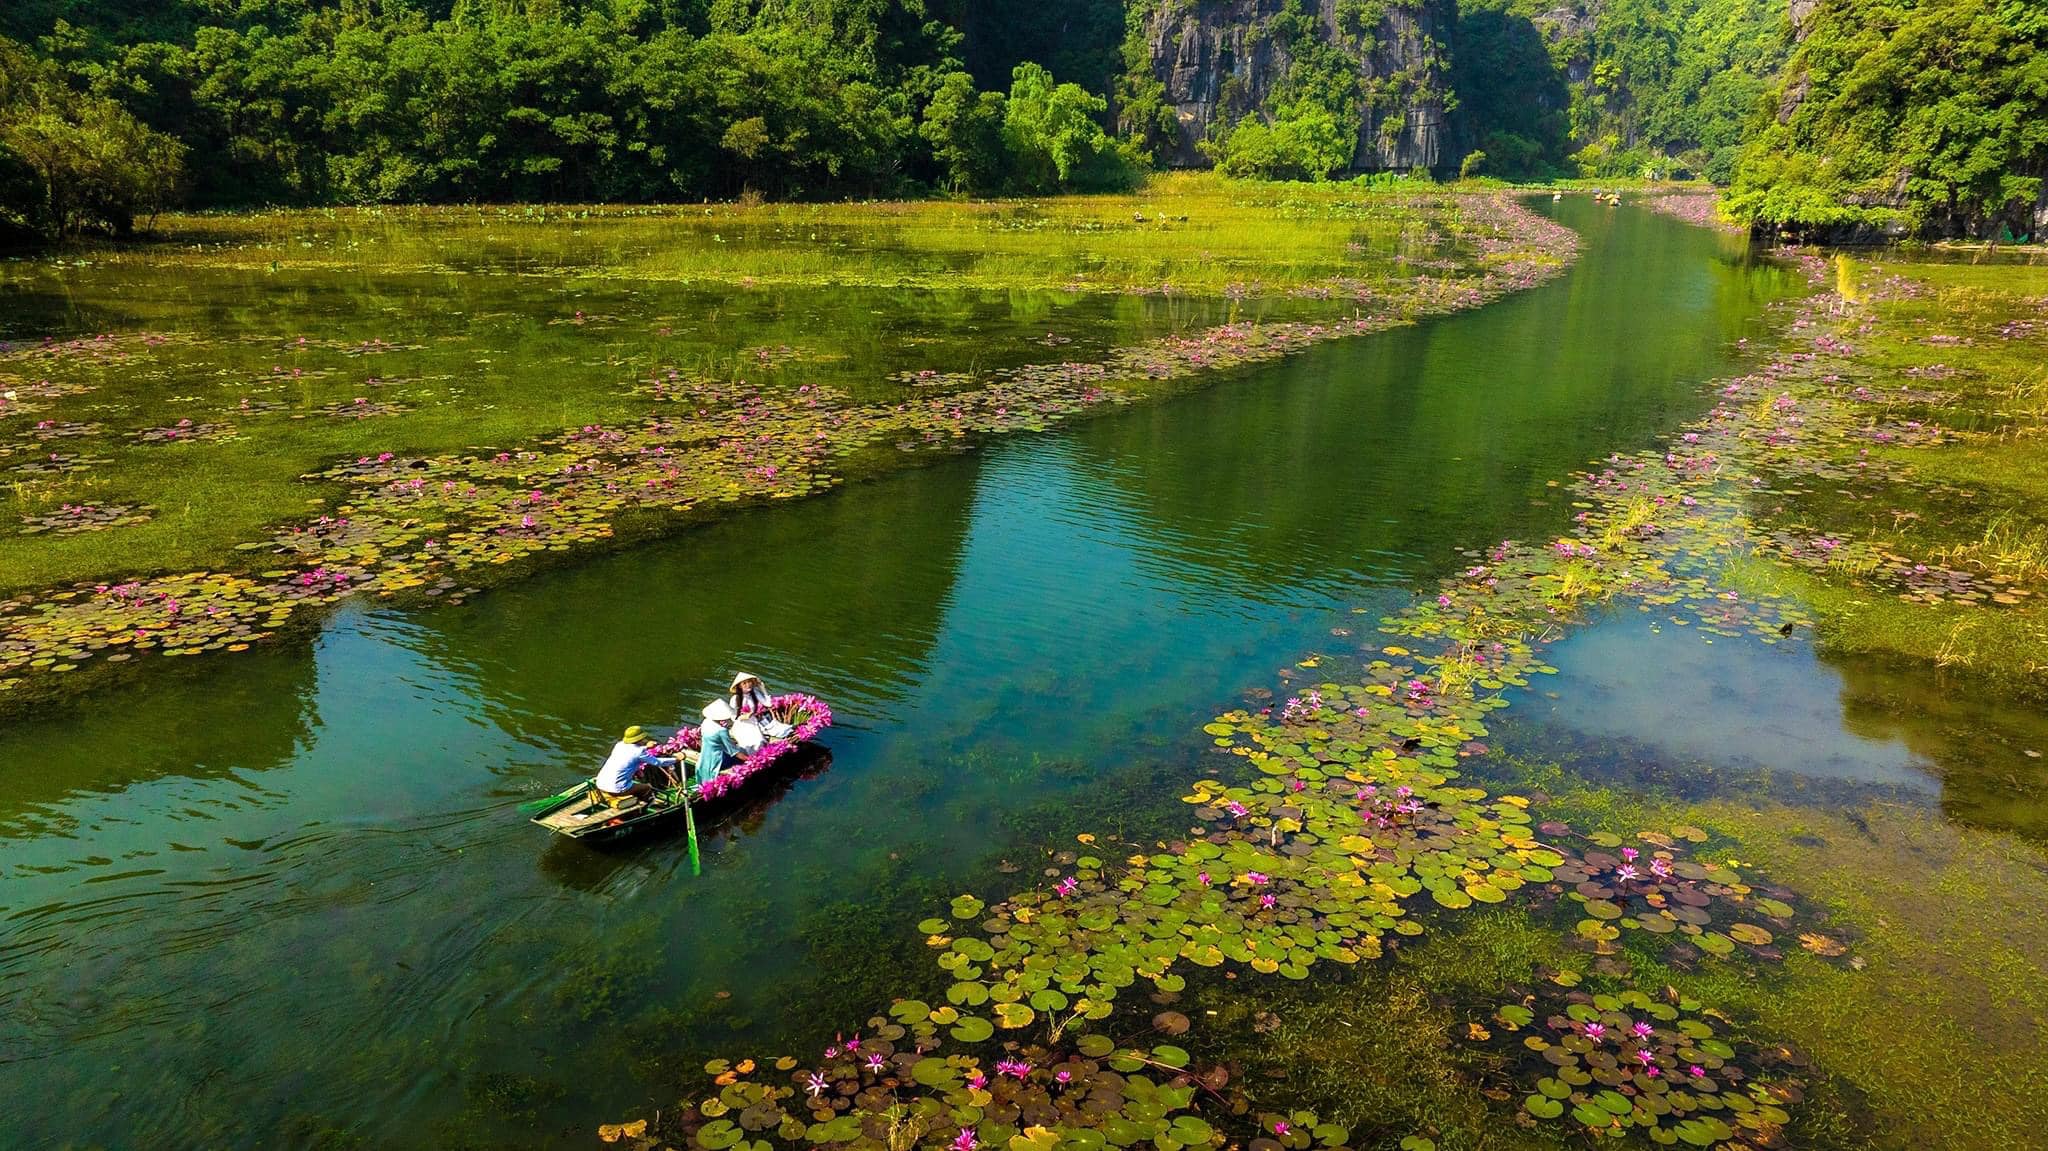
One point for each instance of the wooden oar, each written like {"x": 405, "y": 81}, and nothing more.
{"x": 690, "y": 822}
{"x": 533, "y": 807}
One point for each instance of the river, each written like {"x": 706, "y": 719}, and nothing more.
{"x": 284, "y": 899}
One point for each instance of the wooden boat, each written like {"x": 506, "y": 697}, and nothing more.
{"x": 580, "y": 811}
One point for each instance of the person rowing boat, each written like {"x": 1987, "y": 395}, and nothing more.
{"x": 620, "y": 777}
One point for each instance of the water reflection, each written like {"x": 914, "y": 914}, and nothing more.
{"x": 1381, "y": 446}
{"x": 1710, "y": 708}
{"x": 1662, "y": 705}
{"x": 1989, "y": 751}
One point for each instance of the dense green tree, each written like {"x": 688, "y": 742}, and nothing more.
{"x": 1304, "y": 141}
{"x": 71, "y": 160}
{"x": 1053, "y": 133}
{"x": 965, "y": 130}
{"x": 1926, "y": 116}
{"x": 1511, "y": 94}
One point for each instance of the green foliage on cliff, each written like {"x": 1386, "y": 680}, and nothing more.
{"x": 1929, "y": 116}
{"x": 1621, "y": 88}
{"x": 1309, "y": 128}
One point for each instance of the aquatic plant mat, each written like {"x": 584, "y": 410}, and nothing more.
{"x": 178, "y": 493}
{"x": 1352, "y": 945}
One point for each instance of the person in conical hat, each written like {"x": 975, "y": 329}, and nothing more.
{"x": 750, "y": 696}
{"x": 760, "y": 719}
{"x": 716, "y": 748}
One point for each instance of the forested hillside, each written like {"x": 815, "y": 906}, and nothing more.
{"x": 1865, "y": 114}
{"x": 1927, "y": 117}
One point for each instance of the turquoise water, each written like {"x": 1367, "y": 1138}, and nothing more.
{"x": 283, "y": 899}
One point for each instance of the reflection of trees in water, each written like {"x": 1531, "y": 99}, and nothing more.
{"x": 1976, "y": 735}
{"x": 203, "y": 720}
{"x": 1972, "y": 737}
{"x": 839, "y": 595}
{"x": 1355, "y": 458}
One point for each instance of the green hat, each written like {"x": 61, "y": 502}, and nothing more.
{"x": 633, "y": 735}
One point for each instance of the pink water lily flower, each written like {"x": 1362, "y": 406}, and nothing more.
{"x": 965, "y": 1140}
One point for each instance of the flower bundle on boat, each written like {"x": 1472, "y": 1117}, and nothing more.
{"x": 807, "y": 715}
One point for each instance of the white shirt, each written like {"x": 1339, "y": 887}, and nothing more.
{"x": 619, "y": 769}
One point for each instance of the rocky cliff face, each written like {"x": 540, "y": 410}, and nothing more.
{"x": 1219, "y": 61}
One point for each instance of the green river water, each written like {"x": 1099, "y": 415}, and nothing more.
{"x": 283, "y": 899}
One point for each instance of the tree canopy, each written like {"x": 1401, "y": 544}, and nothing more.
{"x": 1928, "y": 116}
{"x": 1923, "y": 115}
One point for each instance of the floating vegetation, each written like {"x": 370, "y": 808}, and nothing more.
{"x": 42, "y": 431}
{"x": 1702, "y": 208}
{"x": 1618, "y": 1061}
{"x": 1704, "y": 906}
{"x": 186, "y": 432}
{"x": 72, "y": 519}
{"x": 359, "y": 408}
{"x": 773, "y": 357}
{"x": 58, "y": 464}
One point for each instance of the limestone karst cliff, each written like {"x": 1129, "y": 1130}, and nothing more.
{"x": 1222, "y": 60}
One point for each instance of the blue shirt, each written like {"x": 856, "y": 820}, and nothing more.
{"x": 719, "y": 750}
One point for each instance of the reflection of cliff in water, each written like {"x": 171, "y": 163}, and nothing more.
{"x": 1463, "y": 420}
{"x": 1976, "y": 736}
{"x": 1641, "y": 702}
{"x": 840, "y": 596}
